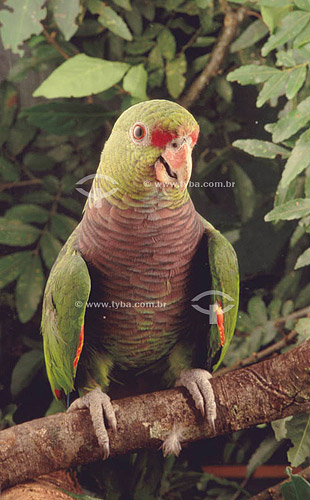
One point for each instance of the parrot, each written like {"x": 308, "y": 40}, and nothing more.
{"x": 120, "y": 308}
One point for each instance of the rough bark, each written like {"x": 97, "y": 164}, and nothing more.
{"x": 267, "y": 391}
{"x": 49, "y": 486}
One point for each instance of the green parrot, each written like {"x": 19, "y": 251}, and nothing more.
{"x": 144, "y": 294}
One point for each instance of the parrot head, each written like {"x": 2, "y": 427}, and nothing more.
{"x": 148, "y": 154}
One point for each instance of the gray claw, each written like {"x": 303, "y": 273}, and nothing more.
{"x": 197, "y": 382}
{"x": 100, "y": 406}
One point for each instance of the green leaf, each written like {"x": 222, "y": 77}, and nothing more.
{"x": 290, "y": 123}
{"x": 80, "y": 76}
{"x": 139, "y": 47}
{"x": 9, "y": 171}
{"x": 296, "y": 236}
{"x": 261, "y": 149}
{"x": 39, "y": 196}
{"x": 223, "y": 88}
{"x": 167, "y": 44}
{"x": 61, "y": 153}
{"x": 50, "y": 248}
{"x": 29, "y": 289}
{"x": 274, "y": 308}
{"x": 274, "y": 87}
{"x": 156, "y": 78}
{"x": 289, "y": 28}
{"x": 263, "y": 452}
{"x": 42, "y": 56}
{"x": 303, "y": 297}
{"x": 8, "y": 106}
{"x": 65, "y": 13}
{"x": 153, "y": 30}
{"x": 134, "y": 20}
{"x": 303, "y": 260}
{"x": 109, "y": 19}
{"x": 155, "y": 59}
{"x": 272, "y": 15}
{"x": 51, "y": 184}
{"x": 204, "y": 41}
{"x": 175, "y": 76}
{"x": 27, "y": 213}
{"x": 303, "y": 37}
{"x": 147, "y": 9}
{"x": 12, "y": 265}
{"x": 276, "y": 3}
{"x": 297, "y": 489}
{"x": 179, "y": 23}
{"x": 279, "y": 428}
{"x": 244, "y": 193}
{"x": 20, "y": 136}
{"x": 298, "y": 431}
{"x": 303, "y": 4}
{"x": 89, "y": 27}
{"x": 257, "y": 311}
{"x": 285, "y": 58}
{"x": 38, "y": 162}
{"x": 19, "y": 25}
{"x": 63, "y": 118}
{"x": 15, "y": 233}
{"x": 62, "y": 226}
{"x": 252, "y": 34}
{"x": 135, "y": 82}
{"x": 125, "y": 4}
{"x": 25, "y": 370}
{"x": 253, "y": 74}
{"x": 295, "y": 81}
{"x": 298, "y": 161}
{"x": 71, "y": 205}
{"x": 302, "y": 326}
{"x": 200, "y": 62}
{"x": 293, "y": 209}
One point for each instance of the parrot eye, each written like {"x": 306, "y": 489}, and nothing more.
{"x": 139, "y": 132}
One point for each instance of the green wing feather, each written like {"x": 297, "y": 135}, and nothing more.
{"x": 225, "y": 279}
{"x": 65, "y": 298}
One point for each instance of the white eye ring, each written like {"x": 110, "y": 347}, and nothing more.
{"x": 139, "y": 133}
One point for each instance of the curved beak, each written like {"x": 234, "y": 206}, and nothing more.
{"x": 174, "y": 166}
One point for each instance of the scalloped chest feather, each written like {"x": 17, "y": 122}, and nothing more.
{"x": 140, "y": 267}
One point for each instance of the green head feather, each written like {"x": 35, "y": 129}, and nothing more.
{"x": 126, "y": 173}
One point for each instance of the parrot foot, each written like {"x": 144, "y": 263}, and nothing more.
{"x": 172, "y": 445}
{"x": 196, "y": 381}
{"x": 100, "y": 408}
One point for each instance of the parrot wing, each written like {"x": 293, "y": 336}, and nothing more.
{"x": 218, "y": 259}
{"x": 65, "y": 298}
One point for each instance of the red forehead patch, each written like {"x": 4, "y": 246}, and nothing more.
{"x": 161, "y": 137}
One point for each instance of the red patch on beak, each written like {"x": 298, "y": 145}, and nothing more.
{"x": 79, "y": 349}
{"x": 160, "y": 138}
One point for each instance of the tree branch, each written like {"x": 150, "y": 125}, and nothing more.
{"x": 267, "y": 391}
{"x": 29, "y": 182}
{"x": 232, "y": 21}
{"x": 54, "y": 43}
{"x": 273, "y": 348}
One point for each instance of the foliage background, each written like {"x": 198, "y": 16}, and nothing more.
{"x": 94, "y": 59}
